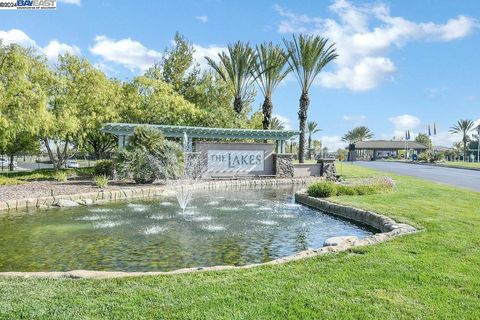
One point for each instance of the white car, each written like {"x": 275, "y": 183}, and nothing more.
{"x": 72, "y": 164}
{"x": 5, "y": 163}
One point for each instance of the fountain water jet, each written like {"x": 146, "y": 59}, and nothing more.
{"x": 184, "y": 195}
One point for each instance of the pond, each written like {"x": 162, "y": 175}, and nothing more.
{"x": 235, "y": 227}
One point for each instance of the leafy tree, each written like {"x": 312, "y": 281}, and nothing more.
{"x": 317, "y": 145}
{"x": 177, "y": 66}
{"x": 147, "y": 100}
{"x": 96, "y": 99}
{"x": 206, "y": 90}
{"x": 463, "y": 127}
{"x": 307, "y": 56}
{"x": 82, "y": 99}
{"x": 236, "y": 68}
{"x": 423, "y": 139}
{"x": 360, "y": 133}
{"x": 269, "y": 71}
{"x": 23, "y": 112}
{"x": 312, "y": 129}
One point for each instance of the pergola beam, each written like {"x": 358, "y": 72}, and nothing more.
{"x": 126, "y": 129}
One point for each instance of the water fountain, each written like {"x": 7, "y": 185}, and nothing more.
{"x": 184, "y": 195}
{"x": 192, "y": 173}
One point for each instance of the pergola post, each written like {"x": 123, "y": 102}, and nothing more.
{"x": 282, "y": 146}
{"x": 185, "y": 142}
{"x": 121, "y": 142}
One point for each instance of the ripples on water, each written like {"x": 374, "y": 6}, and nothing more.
{"x": 228, "y": 228}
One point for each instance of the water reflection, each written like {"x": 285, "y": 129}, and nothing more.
{"x": 224, "y": 228}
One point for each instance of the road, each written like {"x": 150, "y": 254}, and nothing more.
{"x": 462, "y": 178}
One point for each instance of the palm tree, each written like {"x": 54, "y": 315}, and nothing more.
{"x": 357, "y": 134}
{"x": 307, "y": 56}
{"x": 269, "y": 71}
{"x": 276, "y": 124}
{"x": 312, "y": 129}
{"x": 463, "y": 127}
{"x": 236, "y": 69}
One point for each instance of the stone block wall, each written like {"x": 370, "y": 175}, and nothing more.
{"x": 283, "y": 164}
{"x": 328, "y": 169}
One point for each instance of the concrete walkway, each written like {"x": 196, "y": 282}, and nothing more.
{"x": 462, "y": 178}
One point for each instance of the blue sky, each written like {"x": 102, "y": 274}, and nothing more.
{"x": 402, "y": 64}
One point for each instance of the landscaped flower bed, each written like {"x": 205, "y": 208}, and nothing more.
{"x": 359, "y": 186}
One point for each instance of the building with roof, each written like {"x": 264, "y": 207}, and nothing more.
{"x": 382, "y": 149}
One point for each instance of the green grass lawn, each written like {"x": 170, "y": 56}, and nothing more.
{"x": 460, "y": 164}
{"x": 432, "y": 274}
{"x": 19, "y": 177}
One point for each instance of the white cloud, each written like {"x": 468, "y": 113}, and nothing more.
{"x": 285, "y": 120}
{"x": 355, "y": 118}
{"x": 55, "y": 48}
{"x": 16, "y": 36}
{"x": 333, "y": 143}
{"x": 405, "y": 122}
{"x": 364, "y": 35}
{"x": 129, "y": 53}
{"x": 134, "y": 56}
{"x": 203, "y": 19}
{"x": 211, "y": 51}
{"x": 363, "y": 76}
{"x": 51, "y": 50}
{"x": 76, "y": 2}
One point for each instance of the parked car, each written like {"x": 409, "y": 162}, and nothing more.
{"x": 71, "y": 164}
{"x": 4, "y": 163}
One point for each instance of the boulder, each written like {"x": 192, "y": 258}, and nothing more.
{"x": 64, "y": 203}
{"x": 340, "y": 241}
{"x": 86, "y": 202}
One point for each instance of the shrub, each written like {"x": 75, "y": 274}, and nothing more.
{"x": 6, "y": 181}
{"x": 138, "y": 165}
{"x": 60, "y": 176}
{"x": 322, "y": 189}
{"x": 149, "y": 157}
{"x": 351, "y": 188}
{"x": 345, "y": 190}
{"x": 104, "y": 168}
{"x": 101, "y": 181}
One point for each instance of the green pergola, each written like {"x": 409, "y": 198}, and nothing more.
{"x": 123, "y": 130}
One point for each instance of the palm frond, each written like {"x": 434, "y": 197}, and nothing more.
{"x": 235, "y": 67}
{"x": 307, "y": 56}
{"x": 270, "y": 67}
{"x": 277, "y": 124}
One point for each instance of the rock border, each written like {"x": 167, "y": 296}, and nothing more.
{"x": 104, "y": 196}
{"x": 388, "y": 227}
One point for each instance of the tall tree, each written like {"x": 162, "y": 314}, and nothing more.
{"x": 23, "y": 99}
{"x": 463, "y": 127}
{"x": 312, "y": 128}
{"x": 82, "y": 100}
{"x": 236, "y": 68}
{"x": 206, "y": 90}
{"x": 357, "y": 134}
{"x": 423, "y": 139}
{"x": 148, "y": 100}
{"x": 307, "y": 56}
{"x": 270, "y": 69}
{"x": 177, "y": 66}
